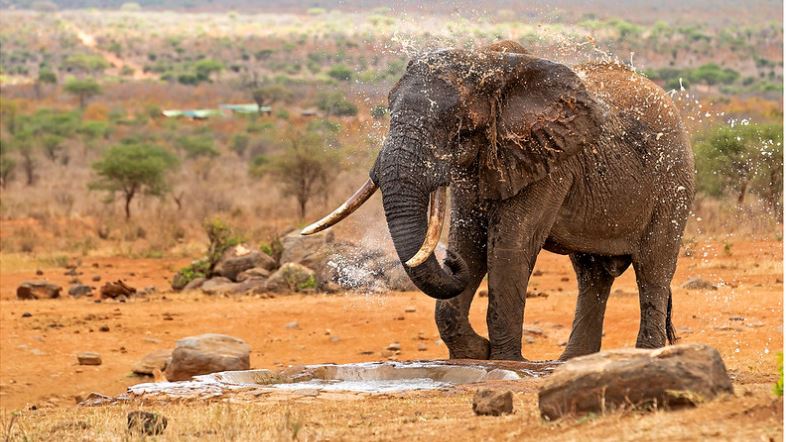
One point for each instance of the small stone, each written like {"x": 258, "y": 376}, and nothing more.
{"x": 38, "y": 290}
{"x": 533, "y": 330}
{"x": 564, "y": 279}
{"x": 736, "y": 318}
{"x": 492, "y": 403}
{"x": 146, "y": 423}
{"x": 96, "y": 278}
{"x": 422, "y": 336}
{"x": 292, "y": 325}
{"x": 104, "y": 328}
{"x": 334, "y": 339}
{"x": 698, "y": 284}
{"x": 422, "y": 347}
{"x": 394, "y": 346}
{"x": 78, "y": 290}
{"x": 115, "y": 289}
{"x": 410, "y": 310}
{"x": 328, "y": 332}
{"x": 39, "y": 272}
{"x": 89, "y": 358}
{"x": 483, "y": 293}
{"x": 537, "y": 273}
{"x": 27, "y": 314}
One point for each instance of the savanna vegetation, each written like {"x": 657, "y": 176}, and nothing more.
{"x": 89, "y": 161}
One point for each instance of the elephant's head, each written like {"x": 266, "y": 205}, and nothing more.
{"x": 507, "y": 116}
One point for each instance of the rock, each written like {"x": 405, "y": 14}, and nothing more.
{"x": 96, "y": 278}
{"x": 291, "y": 277}
{"x": 89, "y": 358}
{"x": 483, "y": 293}
{"x": 394, "y": 346}
{"x": 217, "y": 284}
{"x": 256, "y": 272}
{"x": 675, "y": 376}
{"x": 27, "y": 314}
{"x": 241, "y": 258}
{"x": 103, "y": 328}
{"x": 292, "y": 325}
{"x": 698, "y": 284}
{"x": 39, "y": 272}
{"x": 532, "y": 330}
{"x": 38, "y": 290}
{"x": 310, "y": 251}
{"x": 116, "y": 289}
{"x": 78, "y": 290}
{"x": 410, "y": 310}
{"x": 220, "y": 285}
{"x": 157, "y": 360}
{"x": 492, "y": 403}
{"x": 208, "y": 353}
{"x": 146, "y": 423}
{"x": 335, "y": 339}
{"x": 194, "y": 283}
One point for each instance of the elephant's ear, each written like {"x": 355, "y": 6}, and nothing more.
{"x": 540, "y": 114}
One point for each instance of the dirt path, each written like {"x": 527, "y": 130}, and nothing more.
{"x": 742, "y": 318}
{"x": 89, "y": 41}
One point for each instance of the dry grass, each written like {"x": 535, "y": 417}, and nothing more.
{"x": 751, "y": 414}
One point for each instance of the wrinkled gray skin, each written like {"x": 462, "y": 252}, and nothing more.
{"x": 592, "y": 162}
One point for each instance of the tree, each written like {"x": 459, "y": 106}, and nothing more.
{"x": 45, "y": 76}
{"x": 268, "y": 94}
{"x": 742, "y": 158}
{"x": 86, "y": 63}
{"x": 84, "y": 89}
{"x": 133, "y": 168}
{"x": 303, "y": 169}
{"x": 7, "y": 164}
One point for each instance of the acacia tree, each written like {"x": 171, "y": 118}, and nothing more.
{"x": 133, "y": 168}
{"x": 84, "y": 89}
{"x": 303, "y": 169}
{"x": 741, "y": 159}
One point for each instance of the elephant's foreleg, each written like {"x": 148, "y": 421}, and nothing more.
{"x": 595, "y": 282}
{"x": 518, "y": 227}
{"x": 467, "y": 238}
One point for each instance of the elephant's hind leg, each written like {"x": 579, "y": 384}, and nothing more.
{"x": 595, "y": 274}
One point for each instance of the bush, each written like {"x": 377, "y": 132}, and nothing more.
{"x": 340, "y": 72}
{"x": 196, "y": 146}
{"x": 220, "y": 238}
{"x": 778, "y": 388}
{"x": 335, "y": 103}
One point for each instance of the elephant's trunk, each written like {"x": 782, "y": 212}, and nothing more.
{"x": 406, "y": 201}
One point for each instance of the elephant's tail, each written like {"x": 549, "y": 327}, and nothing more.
{"x": 671, "y": 334}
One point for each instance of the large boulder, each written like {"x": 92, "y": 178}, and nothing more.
{"x": 292, "y": 277}
{"x": 240, "y": 258}
{"x": 677, "y": 376}
{"x": 157, "y": 360}
{"x": 38, "y": 290}
{"x": 208, "y": 353}
{"x": 311, "y": 250}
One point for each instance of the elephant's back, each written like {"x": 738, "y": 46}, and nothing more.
{"x": 631, "y": 94}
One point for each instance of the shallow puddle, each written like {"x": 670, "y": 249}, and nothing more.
{"x": 369, "y": 377}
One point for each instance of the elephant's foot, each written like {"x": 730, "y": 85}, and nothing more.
{"x": 469, "y": 346}
{"x": 571, "y": 353}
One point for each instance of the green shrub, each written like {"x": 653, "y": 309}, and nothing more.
{"x": 778, "y": 388}
{"x": 340, "y": 72}
{"x": 335, "y": 103}
{"x": 220, "y": 238}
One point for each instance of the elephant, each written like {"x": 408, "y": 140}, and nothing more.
{"x": 590, "y": 161}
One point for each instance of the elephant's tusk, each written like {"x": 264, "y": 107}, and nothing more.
{"x": 356, "y": 200}
{"x": 436, "y": 218}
